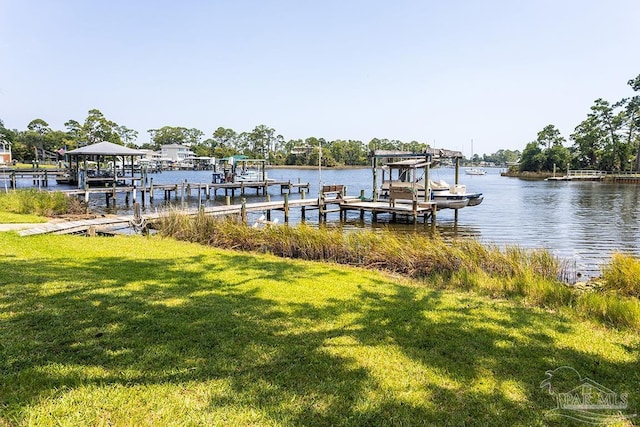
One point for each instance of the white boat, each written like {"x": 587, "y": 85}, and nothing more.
{"x": 251, "y": 175}
{"x": 404, "y": 174}
{"x": 475, "y": 171}
{"x": 443, "y": 191}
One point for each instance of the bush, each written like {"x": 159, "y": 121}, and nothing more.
{"x": 37, "y": 202}
{"x": 622, "y": 275}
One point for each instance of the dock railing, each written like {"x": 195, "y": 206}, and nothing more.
{"x": 585, "y": 173}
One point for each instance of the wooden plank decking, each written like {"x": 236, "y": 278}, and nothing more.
{"x": 347, "y": 203}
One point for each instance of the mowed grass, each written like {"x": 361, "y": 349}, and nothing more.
{"x": 17, "y": 218}
{"x": 150, "y": 331}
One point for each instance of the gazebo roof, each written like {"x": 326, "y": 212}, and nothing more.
{"x": 105, "y": 148}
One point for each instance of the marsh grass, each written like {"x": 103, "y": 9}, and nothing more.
{"x": 147, "y": 331}
{"x": 40, "y": 203}
{"x": 622, "y": 275}
{"x": 532, "y": 276}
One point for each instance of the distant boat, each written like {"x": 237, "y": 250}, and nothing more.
{"x": 475, "y": 171}
{"x": 252, "y": 175}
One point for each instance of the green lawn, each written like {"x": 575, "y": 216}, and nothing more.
{"x": 15, "y": 218}
{"x": 149, "y": 331}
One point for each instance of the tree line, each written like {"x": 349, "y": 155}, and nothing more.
{"x": 608, "y": 139}
{"x": 39, "y": 142}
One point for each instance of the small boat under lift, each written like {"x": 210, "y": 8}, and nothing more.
{"x": 404, "y": 174}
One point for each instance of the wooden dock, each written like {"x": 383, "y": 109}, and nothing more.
{"x": 183, "y": 190}
{"x": 580, "y": 175}
{"x": 323, "y": 204}
{"x": 601, "y": 176}
{"x": 39, "y": 177}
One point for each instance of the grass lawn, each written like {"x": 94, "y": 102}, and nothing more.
{"x": 15, "y": 218}
{"x": 149, "y": 331}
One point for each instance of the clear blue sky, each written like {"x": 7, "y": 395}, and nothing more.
{"x": 441, "y": 72}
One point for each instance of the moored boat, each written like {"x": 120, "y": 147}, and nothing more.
{"x": 405, "y": 174}
{"x": 441, "y": 189}
{"x": 475, "y": 171}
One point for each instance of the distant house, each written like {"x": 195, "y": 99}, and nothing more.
{"x": 5, "y": 152}
{"x": 176, "y": 152}
{"x": 302, "y": 149}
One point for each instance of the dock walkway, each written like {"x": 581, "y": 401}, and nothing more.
{"x": 78, "y": 226}
{"x": 412, "y": 210}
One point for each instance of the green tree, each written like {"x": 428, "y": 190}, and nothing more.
{"x": 532, "y": 158}
{"x": 128, "y": 136}
{"x": 222, "y": 139}
{"x": 75, "y": 132}
{"x": 588, "y": 139}
{"x": 610, "y": 122}
{"x": 550, "y": 137}
{"x": 168, "y": 135}
{"x": 502, "y": 157}
{"x": 556, "y": 156}
{"x": 632, "y": 115}
{"x": 98, "y": 128}
{"x": 261, "y": 141}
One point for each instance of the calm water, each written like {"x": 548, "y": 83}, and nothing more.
{"x": 581, "y": 222}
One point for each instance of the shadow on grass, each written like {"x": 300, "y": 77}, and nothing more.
{"x": 171, "y": 321}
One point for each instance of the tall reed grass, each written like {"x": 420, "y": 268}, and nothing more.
{"x": 531, "y": 275}
{"x": 37, "y": 202}
{"x": 622, "y": 275}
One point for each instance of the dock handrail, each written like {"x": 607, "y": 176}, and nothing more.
{"x": 582, "y": 173}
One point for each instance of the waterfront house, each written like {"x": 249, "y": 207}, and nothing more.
{"x": 5, "y": 152}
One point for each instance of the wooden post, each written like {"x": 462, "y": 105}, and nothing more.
{"x": 46, "y": 179}
{"x": 243, "y": 210}
{"x": 227, "y": 200}
{"x": 374, "y": 166}
{"x": 321, "y": 207}
{"x": 286, "y": 208}
{"x": 151, "y": 191}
